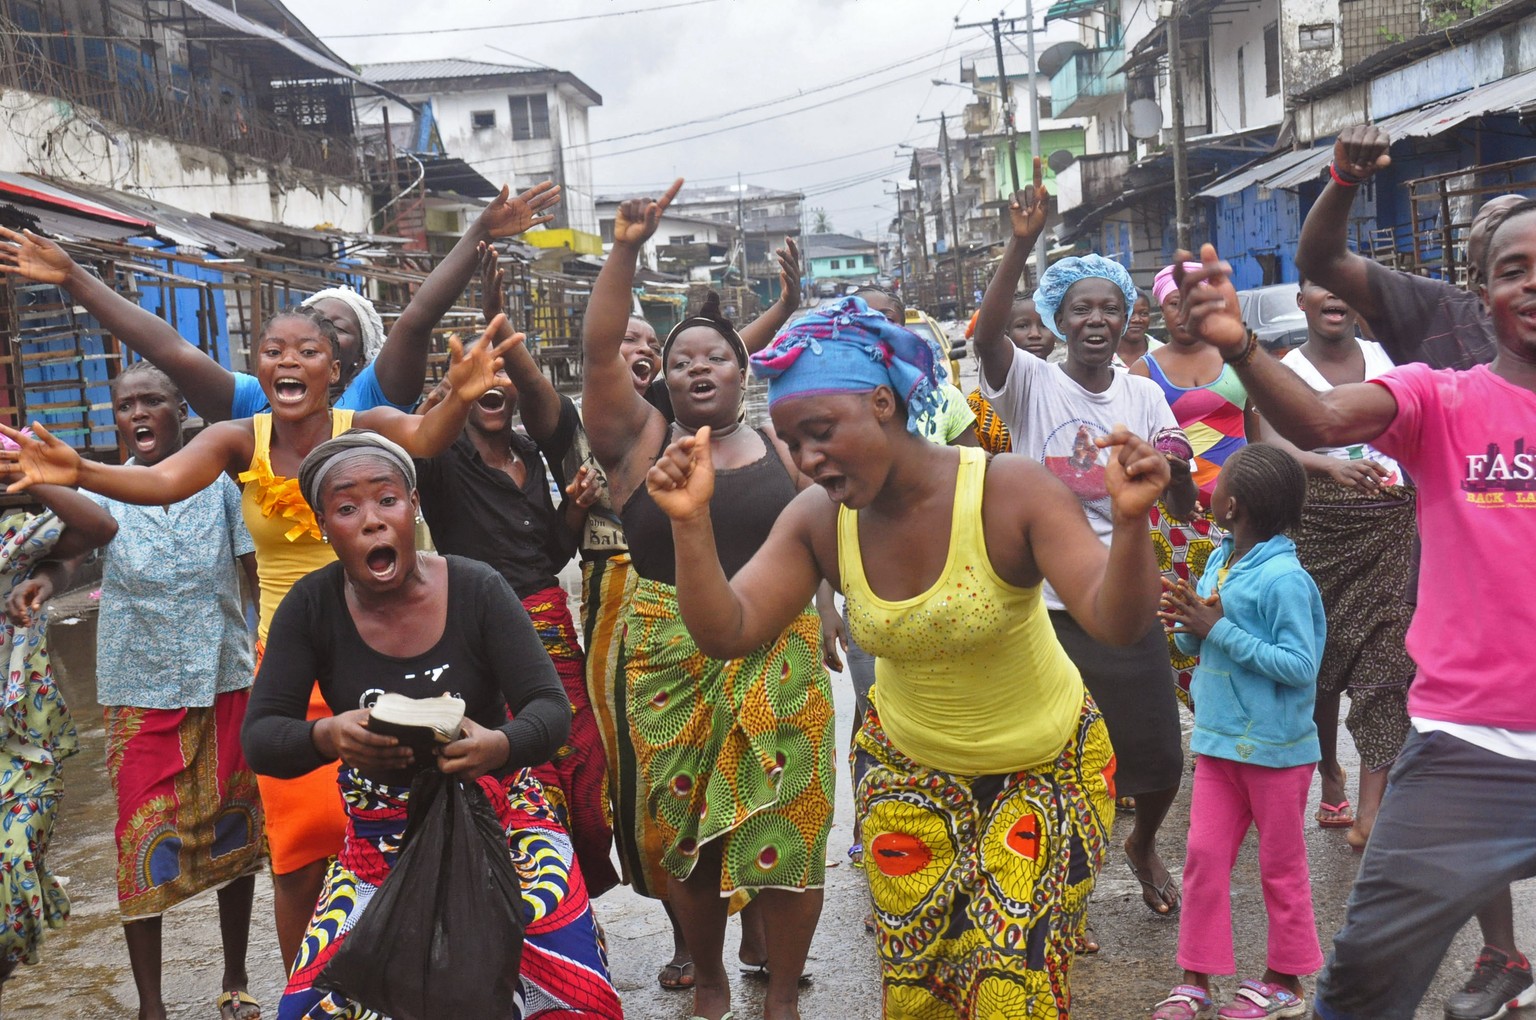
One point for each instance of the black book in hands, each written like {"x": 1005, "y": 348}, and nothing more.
{"x": 422, "y": 724}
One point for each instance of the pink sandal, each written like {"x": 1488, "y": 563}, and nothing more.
{"x": 1185, "y": 1002}
{"x": 1257, "y": 1000}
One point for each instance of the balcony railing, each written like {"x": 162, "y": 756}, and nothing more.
{"x": 1084, "y": 81}
{"x": 195, "y": 112}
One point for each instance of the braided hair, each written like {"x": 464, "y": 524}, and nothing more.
{"x": 875, "y": 288}
{"x": 1271, "y": 486}
{"x": 324, "y": 325}
{"x": 146, "y": 368}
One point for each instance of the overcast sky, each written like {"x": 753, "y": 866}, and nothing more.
{"x": 702, "y": 61}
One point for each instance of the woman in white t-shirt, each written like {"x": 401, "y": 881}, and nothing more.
{"x": 1356, "y": 540}
{"x": 1054, "y": 413}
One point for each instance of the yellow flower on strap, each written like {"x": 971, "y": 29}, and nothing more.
{"x": 276, "y": 493}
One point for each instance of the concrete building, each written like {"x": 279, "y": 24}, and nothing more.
{"x": 519, "y": 125}
{"x": 186, "y": 102}
{"x": 839, "y": 258}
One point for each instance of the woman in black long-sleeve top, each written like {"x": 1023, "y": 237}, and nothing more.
{"x": 387, "y": 619}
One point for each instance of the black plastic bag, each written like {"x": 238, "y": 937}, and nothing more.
{"x": 443, "y": 935}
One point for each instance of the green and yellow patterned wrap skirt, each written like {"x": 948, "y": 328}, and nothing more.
{"x": 739, "y": 751}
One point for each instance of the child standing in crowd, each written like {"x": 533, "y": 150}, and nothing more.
{"x": 35, "y": 725}
{"x": 1256, "y": 620}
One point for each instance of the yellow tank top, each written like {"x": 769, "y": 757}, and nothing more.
{"x": 281, "y": 523}
{"x": 969, "y": 676}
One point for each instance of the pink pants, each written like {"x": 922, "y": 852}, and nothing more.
{"x": 1228, "y": 795}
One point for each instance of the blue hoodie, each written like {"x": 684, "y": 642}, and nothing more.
{"x": 1257, "y": 678}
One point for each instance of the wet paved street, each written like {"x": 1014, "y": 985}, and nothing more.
{"x": 84, "y": 973}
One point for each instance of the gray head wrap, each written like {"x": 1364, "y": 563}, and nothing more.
{"x": 367, "y": 317}
{"x": 351, "y": 445}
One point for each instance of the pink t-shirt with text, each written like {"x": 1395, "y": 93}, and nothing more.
{"x": 1468, "y": 439}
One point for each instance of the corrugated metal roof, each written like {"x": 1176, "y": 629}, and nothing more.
{"x": 1288, "y": 169}
{"x": 418, "y": 70}
{"x": 20, "y": 215}
{"x": 32, "y": 192}
{"x": 182, "y": 228}
{"x": 229, "y": 19}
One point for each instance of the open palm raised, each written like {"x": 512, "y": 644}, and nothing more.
{"x": 506, "y": 216}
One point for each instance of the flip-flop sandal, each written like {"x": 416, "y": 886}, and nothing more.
{"x": 1125, "y": 805}
{"x": 1160, "y": 891}
{"x": 727, "y": 1015}
{"x": 759, "y": 972}
{"x": 1335, "y": 816}
{"x": 1086, "y": 944}
{"x": 682, "y": 982}
{"x": 238, "y": 1002}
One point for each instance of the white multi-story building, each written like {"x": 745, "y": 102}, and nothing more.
{"x": 520, "y": 125}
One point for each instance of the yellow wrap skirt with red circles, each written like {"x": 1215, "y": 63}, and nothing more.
{"x": 981, "y": 883}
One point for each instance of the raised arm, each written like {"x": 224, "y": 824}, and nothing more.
{"x": 730, "y": 618}
{"x": 1112, "y": 593}
{"x": 44, "y": 459}
{"x": 402, "y": 362}
{"x": 614, "y": 414}
{"x": 470, "y": 374}
{"x": 1027, "y": 214}
{"x": 208, "y": 386}
{"x": 538, "y": 403}
{"x": 1322, "y": 253}
{"x": 759, "y": 333}
{"x": 1353, "y": 413}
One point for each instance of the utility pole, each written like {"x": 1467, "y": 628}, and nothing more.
{"x": 741, "y": 231}
{"x": 1005, "y": 93}
{"x": 954, "y": 219}
{"x": 1180, "y": 161}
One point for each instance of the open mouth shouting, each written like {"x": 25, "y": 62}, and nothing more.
{"x": 492, "y": 400}
{"x": 702, "y": 389}
{"x": 289, "y": 390}
{"x": 1334, "y": 312}
{"x": 642, "y": 369}
{"x": 383, "y": 562}
{"x": 144, "y": 439}
{"x": 836, "y": 486}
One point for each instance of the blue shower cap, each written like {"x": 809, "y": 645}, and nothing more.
{"x": 1062, "y": 275}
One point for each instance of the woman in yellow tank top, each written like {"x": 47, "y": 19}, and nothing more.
{"x": 987, "y": 802}
{"x": 296, "y": 363}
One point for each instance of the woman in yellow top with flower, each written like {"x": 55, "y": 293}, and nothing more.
{"x": 296, "y": 362}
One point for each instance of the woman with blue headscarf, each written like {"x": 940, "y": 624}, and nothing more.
{"x": 1055, "y": 413}
{"x": 986, "y": 804}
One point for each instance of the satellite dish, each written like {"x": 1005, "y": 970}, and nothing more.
{"x": 1144, "y": 119}
{"x": 1059, "y": 160}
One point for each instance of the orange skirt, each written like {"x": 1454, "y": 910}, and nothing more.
{"x": 306, "y": 821}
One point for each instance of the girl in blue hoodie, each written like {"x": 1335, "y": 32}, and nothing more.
{"x": 1256, "y": 621}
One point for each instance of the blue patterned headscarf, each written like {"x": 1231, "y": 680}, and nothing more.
{"x": 845, "y": 347}
{"x": 1062, "y": 275}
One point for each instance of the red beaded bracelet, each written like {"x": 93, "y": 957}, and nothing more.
{"x": 1343, "y": 180}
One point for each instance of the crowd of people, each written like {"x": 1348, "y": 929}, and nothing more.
{"x": 1026, "y": 583}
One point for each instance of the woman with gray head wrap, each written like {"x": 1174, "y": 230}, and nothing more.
{"x": 351, "y": 445}
{"x": 1055, "y": 414}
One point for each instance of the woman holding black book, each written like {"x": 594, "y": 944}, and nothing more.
{"x": 385, "y": 619}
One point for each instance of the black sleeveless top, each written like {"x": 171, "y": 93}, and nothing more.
{"x": 746, "y": 503}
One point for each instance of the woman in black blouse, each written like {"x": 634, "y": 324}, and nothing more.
{"x": 385, "y": 618}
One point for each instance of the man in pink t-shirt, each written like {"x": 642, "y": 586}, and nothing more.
{"x": 1458, "y": 822}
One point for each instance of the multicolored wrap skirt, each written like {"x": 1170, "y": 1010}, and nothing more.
{"x": 1359, "y": 551}
{"x": 981, "y": 883}
{"x": 739, "y": 751}
{"x": 564, "y": 969}
{"x": 189, "y": 814}
{"x": 606, "y": 587}
{"x": 576, "y": 780}
{"x": 1182, "y": 548}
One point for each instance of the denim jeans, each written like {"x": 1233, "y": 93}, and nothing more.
{"x": 1457, "y": 825}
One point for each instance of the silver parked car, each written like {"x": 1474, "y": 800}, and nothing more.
{"x": 1272, "y": 313}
